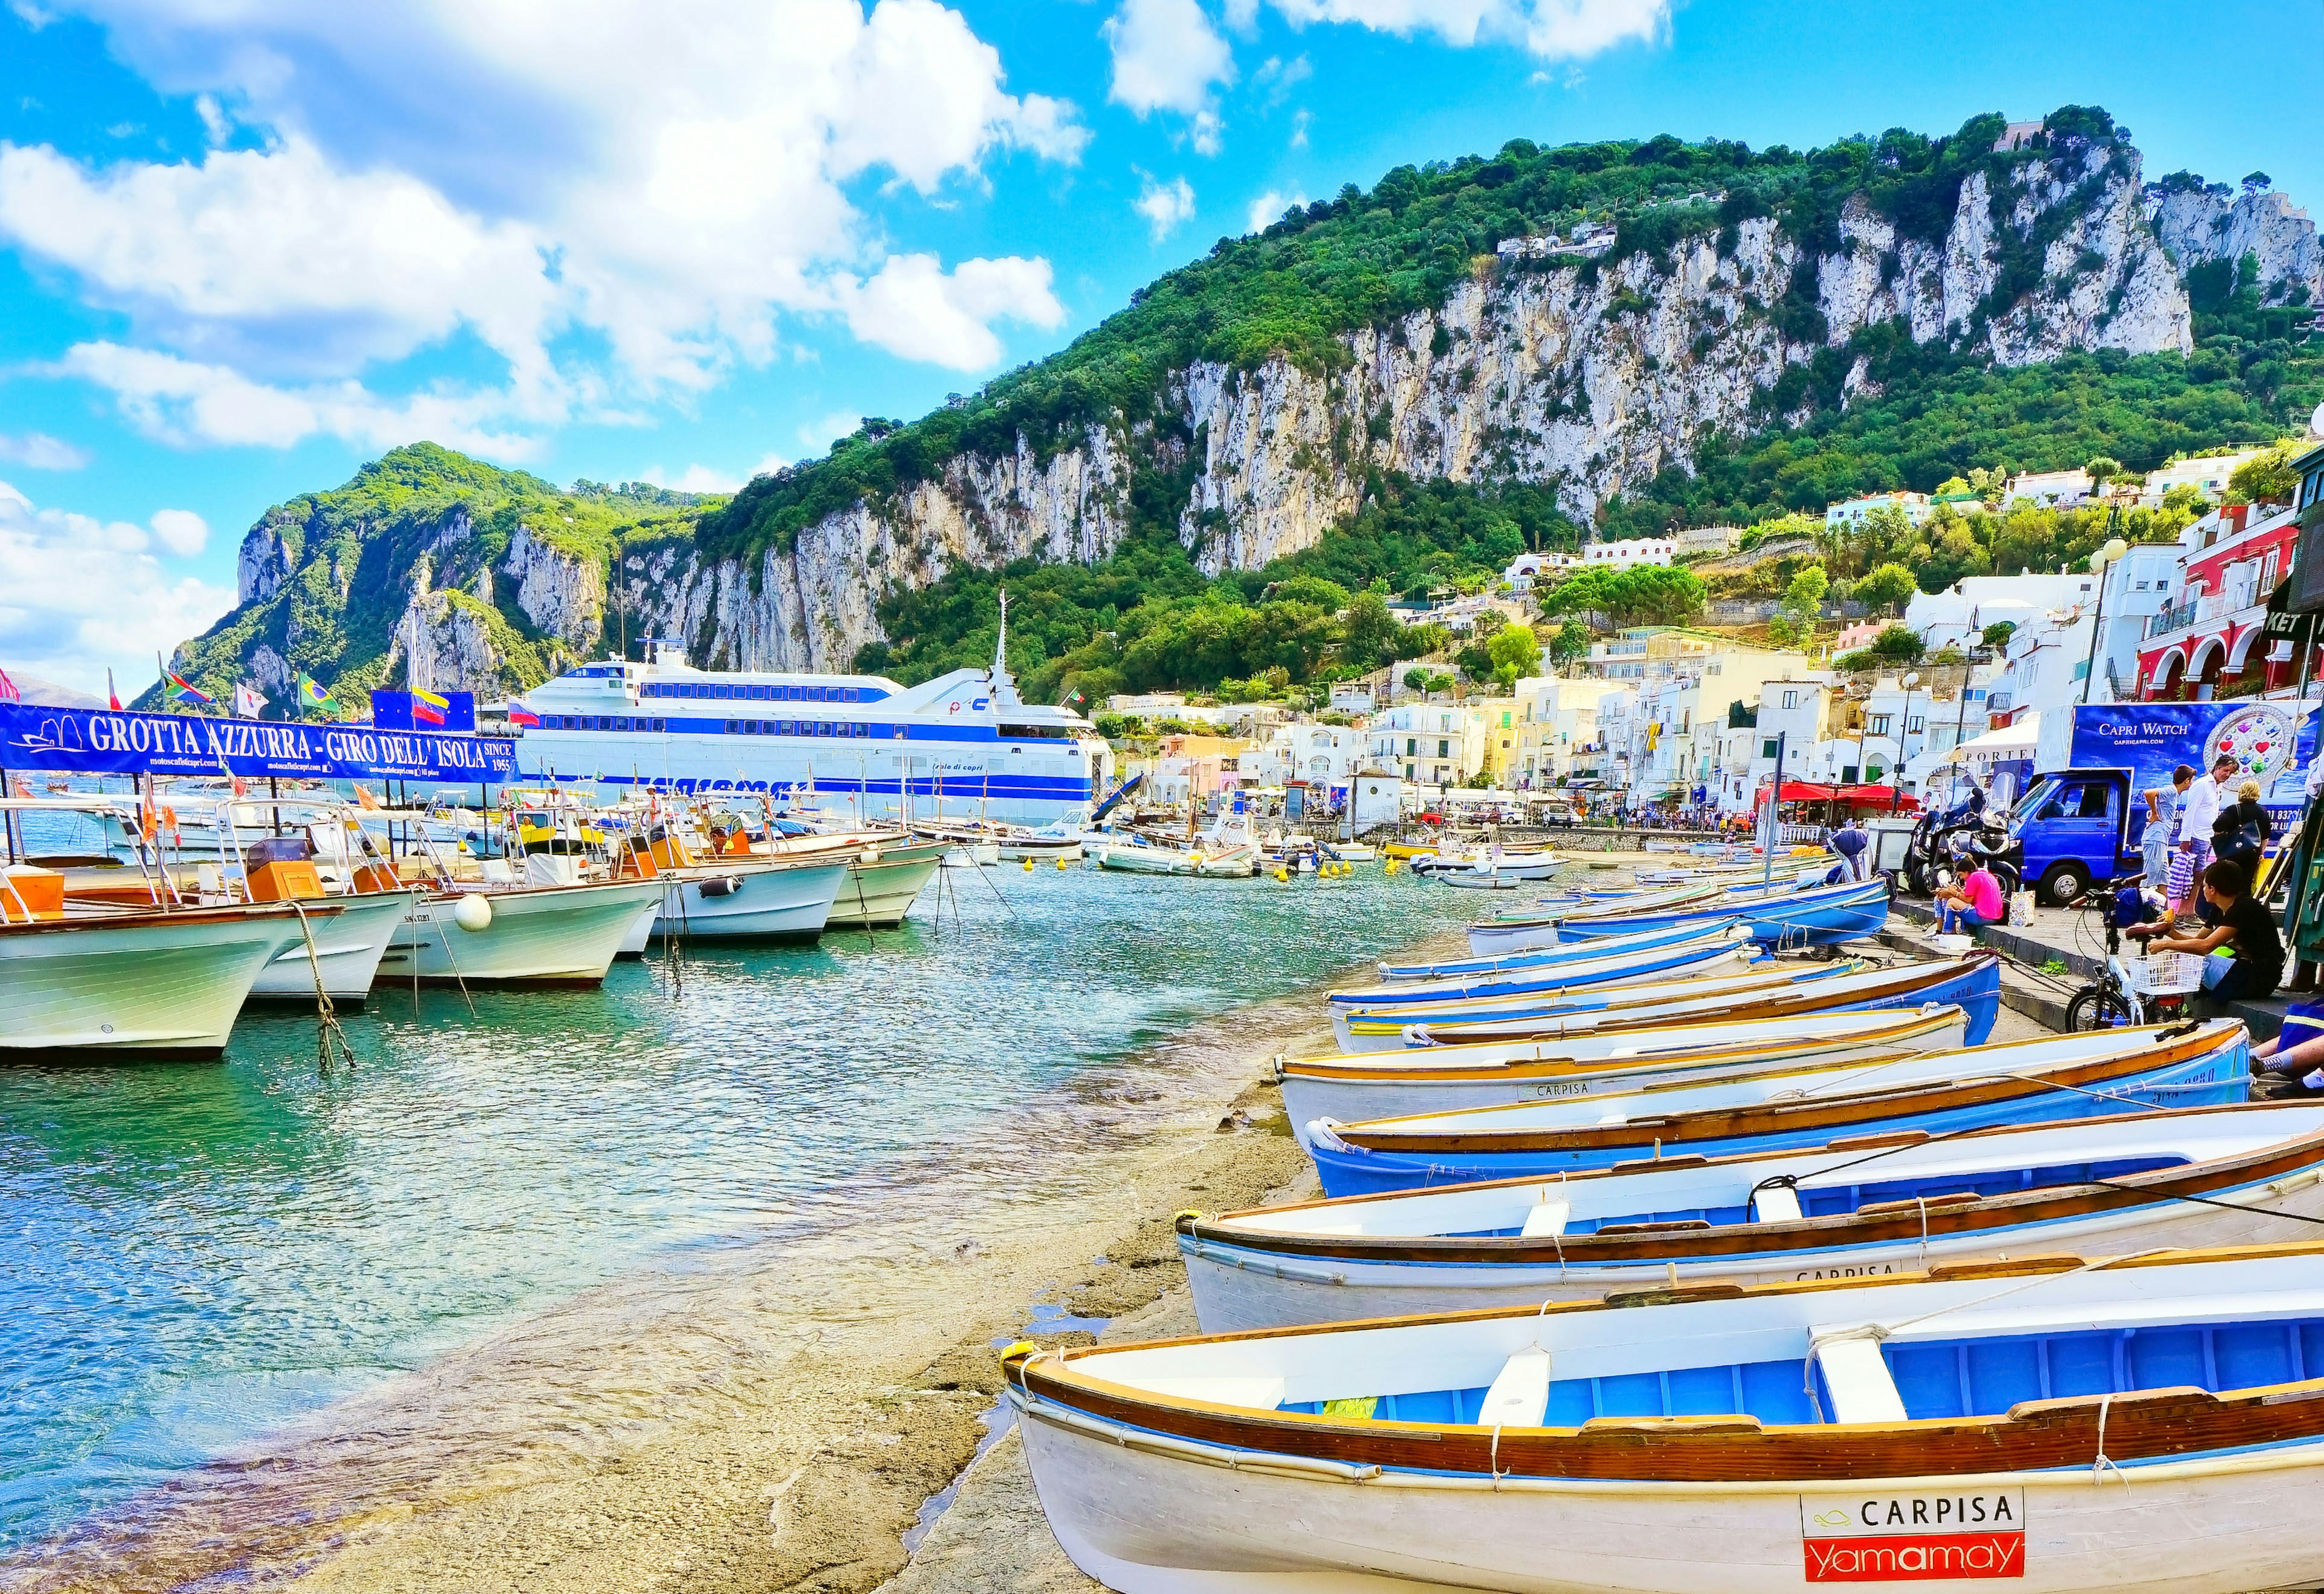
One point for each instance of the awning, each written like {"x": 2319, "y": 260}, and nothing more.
{"x": 1875, "y": 797}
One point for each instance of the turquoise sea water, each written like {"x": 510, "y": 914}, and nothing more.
{"x": 197, "y": 1254}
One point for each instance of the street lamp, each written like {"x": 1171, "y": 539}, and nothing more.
{"x": 2104, "y": 559}
{"x": 1904, "y": 729}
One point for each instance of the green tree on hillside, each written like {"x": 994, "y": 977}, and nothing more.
{"x": 1516, "y": 653}
{"x": 1886, "y": 585}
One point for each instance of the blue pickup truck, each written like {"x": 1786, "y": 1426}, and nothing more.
{"x": 2075, "y": 825}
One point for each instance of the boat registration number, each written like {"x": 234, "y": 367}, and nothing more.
{"x": 1939, "y": 1536}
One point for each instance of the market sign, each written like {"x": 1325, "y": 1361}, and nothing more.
{"x": 1938, "y": 1535}
{"x": 2282, "y": 624}
{"x": 94, "y": 741}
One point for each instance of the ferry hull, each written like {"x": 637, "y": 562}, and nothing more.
{"x": 1146, "y": 1513}
{"x": 165, "y": 986}
{"x": 348, "y": 947}
{"x": 750, "y": 903}
{"x": 561, "y": 935}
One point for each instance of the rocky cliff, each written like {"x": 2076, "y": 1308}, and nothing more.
{"x": 1589, "y": 369}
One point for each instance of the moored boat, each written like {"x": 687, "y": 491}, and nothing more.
{"x": 2147, "y": 1424}
{"x": 2219, "y": 1176}
{"x": 120, "y": 983}
{"x": 883, "y": 881}
{"x": 553, "y": 935}
{"x": 1763, "y": 990}
{"x": 1971, "y": 982}
{"x": 1537, "y": 958}
{"x": 2086, "y": 1075}
{"x": 1355, "y": 1087}
{"x": 1780, "y": 917}
{"x": 749, "y": 899}
{"x": 1715, "y": 948}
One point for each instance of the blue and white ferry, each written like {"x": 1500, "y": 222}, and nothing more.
{"x": 962, "y": 746}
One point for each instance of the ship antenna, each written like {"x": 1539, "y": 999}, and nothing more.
{"x": 1000, "y": 646}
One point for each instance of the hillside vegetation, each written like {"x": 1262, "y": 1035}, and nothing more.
{"x": 344, "y": 568}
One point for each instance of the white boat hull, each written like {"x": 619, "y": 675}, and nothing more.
{"x": 1712, "y": 964}
{"x": 554, "y": 935}
{"x": 751, "y": 902}
{"x": 1236, "y": 1289}
{"x": 1237, "y": 864}
{"x": 158, "y": 985}
{"x": 877, "y": 896}
{"x": 347, "y": 950}
{"x": 1152, "y": 1514}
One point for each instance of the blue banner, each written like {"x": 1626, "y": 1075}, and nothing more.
{"x": 93, "y": 741}
{"x": 2271, "y": 743}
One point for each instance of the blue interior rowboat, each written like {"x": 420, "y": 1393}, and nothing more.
{"x": 2055, "y": 1077}
{"x": 1821, "y": 915}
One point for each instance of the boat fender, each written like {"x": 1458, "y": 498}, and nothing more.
{"x": 722, "y": 885}
{"x": 1321, "y": 1132}
{"x": 473, "y": 912}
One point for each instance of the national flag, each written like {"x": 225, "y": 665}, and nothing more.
{"x": 111, "y": 695}
{"x": 248, "y": 700}
{"x": 8, "y": 692}
{"x": 185, "y": 690}
{"x": 427, "y": 709}
{"x": 518, "y": 714}
{"x": 311, "y": 695}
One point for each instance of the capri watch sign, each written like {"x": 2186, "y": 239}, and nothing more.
{"x": 1942, "y": 1535}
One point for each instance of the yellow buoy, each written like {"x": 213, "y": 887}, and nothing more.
{"x": 1029, "y": 865}
{"x": 1280, "y": 873}
{"x": 1061, "y": 863}
{"x": 1391, "y": 868}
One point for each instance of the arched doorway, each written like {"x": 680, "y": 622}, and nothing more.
{"x": 2203, "y": 670}
{"x": 2169, "y": 674}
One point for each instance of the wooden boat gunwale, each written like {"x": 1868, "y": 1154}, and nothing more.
{"x": 1787, "y": 1117}
{"x": 1837, "y": 1231}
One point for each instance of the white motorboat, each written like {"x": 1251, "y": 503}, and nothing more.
{"x": 2206, "y": 1176}
{"x": 751, "y": 899}
{"x": 1228, "y": 863}
{"x": 107, "y": 982}
{"x": 883, "y": 881}
{"x": 2148, "y": 1424}
{"x": 554, "y": 935}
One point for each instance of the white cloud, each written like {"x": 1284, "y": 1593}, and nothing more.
{"x": 1299, "y": 128}
{"x": 1205, "y": 132}
{"x": 709, "y": 478}
{"x": 186, "y": 401}
{"x": 1268, "y": 208}
{"x": 669, "y": 180}
{"x": 40, "y": 451}
{"x": 181, "y": 531}
{"x": 914, "y": 309}
{"x": 1554, "y": 29}
{"x": 78, "y": 594}
{"x": 1166, "y": 56}
{"x": 1165, "y": 205}
{"x": 819, "y": 435}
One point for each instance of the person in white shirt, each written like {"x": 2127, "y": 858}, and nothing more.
{"x": 2162, "y": 833}
{"x": 2200, "y": 808}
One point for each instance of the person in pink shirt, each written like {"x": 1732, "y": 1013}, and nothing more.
{"x": 1975, "y": 902}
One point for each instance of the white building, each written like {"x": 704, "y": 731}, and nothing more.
{"x": 1317, "y": 754}
{"x": 1915, "y": 506}
{"x": 2052, "y": 490}
{"x": 1628, "y": 552}
{"x": 1957, "y": 617}
{"x": 2207, "y": 476}
{"x": 1431, "y": 744}
{"x": 1526, "y": 568}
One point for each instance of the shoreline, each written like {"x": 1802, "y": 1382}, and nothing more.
{"x": 771, "y": 1413}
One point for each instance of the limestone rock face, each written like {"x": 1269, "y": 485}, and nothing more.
{"x": 261, "y": 565}
{"x": 2198, "y": 224}
{"x": 447, "y": 644}
{"x": 563, "y": 594}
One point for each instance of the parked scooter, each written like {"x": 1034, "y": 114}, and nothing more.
{"x": 1966, "y": 827}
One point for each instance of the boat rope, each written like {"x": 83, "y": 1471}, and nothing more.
{"x": 1493, "y": 1459}
{"x": 2207, "y": 1201}
{"x": 331, "y": 1043}
{"x": 446, "y": 937}
{"x": 2104, "y": 1464}
{"x": 1881, "y": 1331}
{"x": 1923, "y": 1202}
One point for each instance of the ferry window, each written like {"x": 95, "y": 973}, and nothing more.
{"x": 732, "y": 724}
{"x": 662, "y": 725}
{"x": 782, "y": 695}
{"x": 860, "y": 729}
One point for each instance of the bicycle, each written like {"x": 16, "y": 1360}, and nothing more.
{"x": 2119, "y": 998}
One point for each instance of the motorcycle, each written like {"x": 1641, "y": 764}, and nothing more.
{"x": 1966, "y": 829}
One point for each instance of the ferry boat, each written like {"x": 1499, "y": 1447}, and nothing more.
{"x": 963, "y": 745}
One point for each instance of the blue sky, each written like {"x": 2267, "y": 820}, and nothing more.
{"x": 243, "y": 248}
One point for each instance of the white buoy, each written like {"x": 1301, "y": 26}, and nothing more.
{"x": 473, "y": 912}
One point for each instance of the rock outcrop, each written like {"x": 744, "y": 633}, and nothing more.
{"x": 2200, "y": 222}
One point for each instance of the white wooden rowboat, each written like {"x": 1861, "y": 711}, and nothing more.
{"x": 2207, "y": 1176}
{"x": 2154, "y": 1424}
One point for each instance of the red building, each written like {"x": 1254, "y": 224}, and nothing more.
{"x": 2206, "y": 642}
